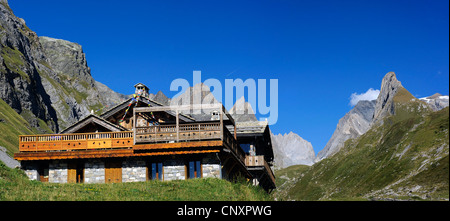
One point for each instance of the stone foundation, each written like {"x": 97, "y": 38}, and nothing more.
{"x": 57, "y": 172}
{"x": 174, "y": 170}
{"x": 30, "y": 170}
{"x": 133, "y": 170}
{"x": 94, "y": 171}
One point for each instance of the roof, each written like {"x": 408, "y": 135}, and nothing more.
{"x": 145, "y": 100}
{"x": 92, "y": 118}
{"x": 251, "y": 127}
{"x": 140, "y": 84}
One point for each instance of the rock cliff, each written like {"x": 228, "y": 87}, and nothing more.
{"x": 436, "y": 101}
{"x": 45, "y": 80}
{"x": 385, "y": 105}
{"x": 73, "y": 91}
{"x": 291, "y": 149}
{"x": 22, "y": 61}
{"x": 355, "y": 123}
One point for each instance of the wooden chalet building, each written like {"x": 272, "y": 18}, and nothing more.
{"x": 141, "y": 139}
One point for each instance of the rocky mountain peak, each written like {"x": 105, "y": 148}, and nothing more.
{"x": 242, "y": 111}
{"x": 434, "y": 96}
{"x": 161, "y": 98}
{"x": 436, "y": 101}
{"x": 291, "y": 149}
{"x": 384, "y": 105}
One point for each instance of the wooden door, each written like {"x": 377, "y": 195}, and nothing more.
{"x": 113, "y": 172}
{"x": 75, "y": 172}
{"x": 43, "y": 172}
{"x": 72, "y": 173}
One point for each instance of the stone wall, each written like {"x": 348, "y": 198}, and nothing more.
{"x": 174, "y": 170}
{"x": 134, "y": 171}
{"x": 211, "y": 170}
{"x": 94, "y": 171}
{"x": 57, "y": 171}
{"x": 30, "y": 170}
{"x": 211, "y": 167}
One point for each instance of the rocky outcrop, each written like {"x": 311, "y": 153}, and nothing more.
{"x": 45, "y": 80}
{"x": 22, "y": 61}
{"x": 355, "y": 123}
{"x": 160, "y": 97}
{"x": 73, "y": 91}
{"x": 367, "y": 114}
{"x": 291, "y": 149}
{"x": 385, "y": 105}
{"x": 436, "y": 101}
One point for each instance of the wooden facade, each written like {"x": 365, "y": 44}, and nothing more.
{"x": 149, "y": 141}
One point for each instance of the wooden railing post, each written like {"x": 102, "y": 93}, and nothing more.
{"x": 134, "y": 126}
{"x": 221, "y": 124}
{"x": 178, "y": 125}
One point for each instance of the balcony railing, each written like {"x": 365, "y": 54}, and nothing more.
{"x": 186, "y": 132}
{"x": 80, "y": 141}
{"x": 258, "y": 161}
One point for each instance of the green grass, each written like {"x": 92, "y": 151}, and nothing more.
{"x": 286, "y": 178}
{"x": 15, "y": 186}
{"x": 14, "y": 61}
{"x": 11, "y": 125}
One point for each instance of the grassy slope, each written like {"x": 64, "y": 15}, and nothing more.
{"x": 405, "y": 158}
{"x": 286, "y": 179}
{"x": 14, "y": 185}
{"x": 11, "y": 125}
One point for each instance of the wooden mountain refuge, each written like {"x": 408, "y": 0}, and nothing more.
{"x": 141, "y": 139}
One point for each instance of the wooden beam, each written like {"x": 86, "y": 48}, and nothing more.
{"x": 230, "y": 118}
{"x": 134, "y": 125}
{"x": 101, "y": 154}
{"x": 221, "y": 125}
{"x": 213, "y": 143}
{"x": 73, "y": 154}
{"x": 175, "y": 152}
{"x": 178, "y": 125}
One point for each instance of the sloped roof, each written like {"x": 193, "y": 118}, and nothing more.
{"x": 145, "y": 100}
{"x": 250, "y": 127}
{"x": 92, "y": 118}
{"x": 141, "y": 84}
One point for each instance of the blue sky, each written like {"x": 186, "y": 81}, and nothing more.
{"x": 321, "y": 52}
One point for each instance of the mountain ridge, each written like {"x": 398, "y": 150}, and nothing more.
{"x": 358, "y": 120}
{"x": 402, "y": 156}
{"x": 46, "y": 80}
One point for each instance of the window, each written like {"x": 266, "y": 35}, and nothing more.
{"x": 155, "y": 171}
{"x": 195, "y": 169}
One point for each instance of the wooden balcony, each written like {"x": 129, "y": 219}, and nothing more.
{"x": 258, "y": 163}
{"x": 185, "y": 132}
{"x": 79, "y": 141}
